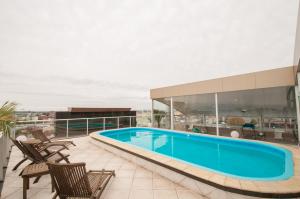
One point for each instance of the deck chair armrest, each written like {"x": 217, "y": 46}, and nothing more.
{"x": 103, "y": 171}
{"x": 50, "y": 155}
{"x": 101, "y": 187}
{"x": 61, "y": 155}
{"x": 51, "y": 144}
{"x": 46, "y": 148}
{"x": 96, "y": 194}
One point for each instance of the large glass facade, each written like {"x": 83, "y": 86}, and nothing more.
{"x": 266, "y": 114}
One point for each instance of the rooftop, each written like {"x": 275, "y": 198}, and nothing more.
{"x": 131, "y": 181}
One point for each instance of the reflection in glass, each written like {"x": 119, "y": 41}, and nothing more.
{"x": 268, "y": 114}
{"x": 162, "y": 113}
{"x": 195, "y": 113}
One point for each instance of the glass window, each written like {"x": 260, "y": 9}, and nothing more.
{"x": 162, "y": 113}
{"x": 195, "y": 113}
{"x": 268, "y": 114}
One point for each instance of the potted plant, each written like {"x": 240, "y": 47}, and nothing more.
{"x": 7, "y": 117}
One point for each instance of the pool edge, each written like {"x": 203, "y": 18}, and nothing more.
{"x": 273, "y": 189}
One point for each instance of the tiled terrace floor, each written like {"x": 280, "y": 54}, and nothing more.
{"x": 131, "y": 181}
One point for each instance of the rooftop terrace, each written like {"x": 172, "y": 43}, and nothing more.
{"x": 131, "y": 181}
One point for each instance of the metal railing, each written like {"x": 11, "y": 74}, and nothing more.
{"x": 79, "y": 126}
{"x": 65, "y": 128}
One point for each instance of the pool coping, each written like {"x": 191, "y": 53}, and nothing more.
{"x": 275, "y": 189}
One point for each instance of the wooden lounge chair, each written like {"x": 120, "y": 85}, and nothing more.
{"x": 23, "y": 150}
{"x": 38, "y": 134}
{"x": 42, "y": 151}
{"x": 37, "y": 155}
{"x": 72, "y": 180}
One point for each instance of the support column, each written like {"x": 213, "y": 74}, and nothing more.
{"x": 67, "y": 129}
{"x": 172, "y": 114}
{"x": 217, "y": 114}
{"x": 297, "y": 111}
{"x": 87, "y": 126}
{"x": 152, "y": 114}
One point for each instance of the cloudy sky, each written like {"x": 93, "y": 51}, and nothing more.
{"x": 56, "y": 54}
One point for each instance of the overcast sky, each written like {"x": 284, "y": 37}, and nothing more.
{"x": 56, "y": 54}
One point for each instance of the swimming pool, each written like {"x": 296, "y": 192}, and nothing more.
{"x": 232, "y": 157}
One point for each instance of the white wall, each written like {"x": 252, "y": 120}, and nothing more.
{"x": 73, "y": 47}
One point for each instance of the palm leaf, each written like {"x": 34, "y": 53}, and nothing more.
{"x": 7, "y": 117}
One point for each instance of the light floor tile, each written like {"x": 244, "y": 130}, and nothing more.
{"x": 141, "y": 194}
{"x": 143, "y": 173}
{"x": 187, "y": 194}
{"x": 165, "y": 194}
{"x": 142, "y": 183}
{"x": 162, "y": 183}
{"x": 125, "y": 173}
{"x": 131, "y": 181}
{"x": 116, "y": 194}
{"x": 121, "y": 183}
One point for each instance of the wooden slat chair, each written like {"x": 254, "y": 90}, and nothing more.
{"x": 38, "y": 157}
{"x": 43, "y": 151}
{"x": 72, "y": 180}
{"x": 38, "y": 134}
{"x": 24, "y": 151}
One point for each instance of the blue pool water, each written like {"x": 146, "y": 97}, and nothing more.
{"x": 232, "y": 157}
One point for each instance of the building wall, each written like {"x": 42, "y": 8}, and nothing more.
{"x": 69, "y": 115}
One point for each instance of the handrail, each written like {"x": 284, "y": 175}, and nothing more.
{"x": 82, "y": 118}
{"x": 68, "y": 129}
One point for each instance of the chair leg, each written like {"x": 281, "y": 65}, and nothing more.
{"x": 67, "y": 160}
{"x": 25, "y": 187}
{"x": 19, "y": 163}
{"x": 37, "y": 179}
{"x": 55, "y": 195}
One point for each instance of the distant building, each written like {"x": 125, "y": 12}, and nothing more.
{"x": 81, "y": 126}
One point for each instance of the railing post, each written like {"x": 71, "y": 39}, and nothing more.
{"x": 217, "y": 114}
{"x": 172, "y": 114}
{"x": 118, "y": 122}
{"x": 104, "y": 123}
{"x": 67, "y": 128}
{"x": 152, "y": 113}
{"x": 297, "y": 109}
{"x": 87, "y": 126}
{"x": 130, "y": 121}
{"x": 13, "y": 133}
